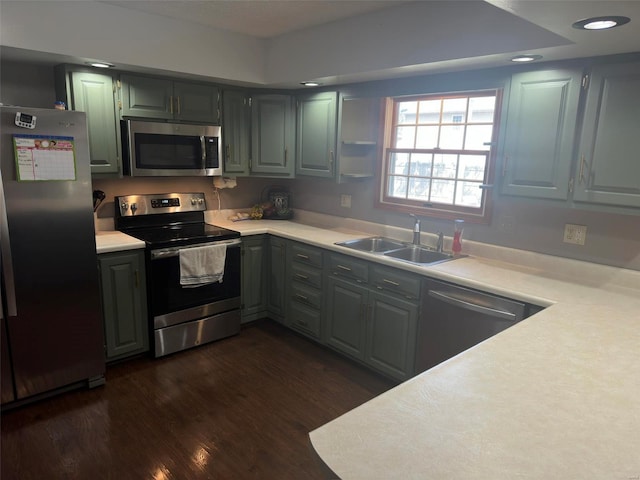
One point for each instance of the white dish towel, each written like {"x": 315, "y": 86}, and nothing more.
{"x": 202, "y": 265}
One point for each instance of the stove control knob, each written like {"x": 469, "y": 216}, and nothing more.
{"x": 200, "y": 201}
{"x": 134, "y": 207}
{"x": 124, "y": 207}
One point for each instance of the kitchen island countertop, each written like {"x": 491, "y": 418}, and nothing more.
{"x": 555, "y": 396}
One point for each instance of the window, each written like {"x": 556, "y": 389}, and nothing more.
{"x": 438, "y": 154}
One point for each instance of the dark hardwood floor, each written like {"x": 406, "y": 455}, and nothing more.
{"x": 238, "y": 408}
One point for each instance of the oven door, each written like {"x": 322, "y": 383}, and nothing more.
{"x": 172, "y": 304}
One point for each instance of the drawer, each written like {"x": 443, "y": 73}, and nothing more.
{"x": 306, "y": 255}
{"x": 306, "y": 274}
{"x": 305, "y": 319}
{"x": 306, "y": 295}
{"x": 349, "y": 268}
{"x": 393, "y": 280}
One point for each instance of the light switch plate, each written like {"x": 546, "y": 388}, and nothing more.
{"x": 345, "y": 201}
{"x": 575, "y": 234}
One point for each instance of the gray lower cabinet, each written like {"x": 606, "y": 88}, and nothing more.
{"x": 346, "y": 317}
{"x": 276, "y": 283}
{"x": 124, "y": 304}
{"x": 608, "y": 172}
{"x": 391, "y": 335}
{"x": 540, "y": 131}
{"x": 306, "y": 295}
{"x": 96, "y": 94}
{"x": 254, "y": 277}
{"x": 372, "y": 314}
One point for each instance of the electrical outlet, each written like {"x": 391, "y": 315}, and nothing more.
{"x": 345, "y": 201}
{"x": 576, "y": 234}
{"x": 505, "y": 224}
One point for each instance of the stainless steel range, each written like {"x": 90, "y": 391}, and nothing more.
{"x": 182, "y": 316}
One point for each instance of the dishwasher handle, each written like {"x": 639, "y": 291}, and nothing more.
{"x": 502, "y": 314}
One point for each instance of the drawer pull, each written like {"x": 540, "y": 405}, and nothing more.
{"x": 304, "y": 257}
{"x": 390, "y": 282}
{"x": 302, "y": 297}
{"x": 342, "y": 267}
{"x": 303, "y": 277}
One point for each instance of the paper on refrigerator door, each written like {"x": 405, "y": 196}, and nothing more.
{"x": 43, "y": 158}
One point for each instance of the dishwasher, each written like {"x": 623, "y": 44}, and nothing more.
{"x": 456, "y": 318}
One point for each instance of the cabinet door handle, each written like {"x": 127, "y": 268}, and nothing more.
{"x": 285, "y": 157}
{"x": 581, "y": 174}
{"x": 178, "y": 102}
{"x": 228, "y": 152}
{"x": 304, "y": 257}
{"x": 302, "y": 277}
{"x": 171, "y": 104}
{"x": 390, "y": 282}
{"x": 302, "y": 297}
{"x": 342, "y": 267}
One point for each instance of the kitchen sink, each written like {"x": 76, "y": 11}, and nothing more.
{"x": 373, "y": 244}
{"x": 420, "y": 255}
{"x": 406, "y": 252}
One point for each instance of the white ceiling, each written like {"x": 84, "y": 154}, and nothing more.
{"x": 341, "y": 41}
{"x": 258, "y": 18}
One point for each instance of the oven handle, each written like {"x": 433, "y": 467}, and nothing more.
{"x": 174, "y": 251}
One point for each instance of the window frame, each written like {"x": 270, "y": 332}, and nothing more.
{"x": 436, "y": 210}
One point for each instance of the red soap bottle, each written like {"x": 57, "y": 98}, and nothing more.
{"x": 458, "y": 227}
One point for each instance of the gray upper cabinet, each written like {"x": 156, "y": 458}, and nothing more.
{"x": 159, "y": 98}
{"x": 608, "y": 171}
{"x": 316, "y": 132}
{"x": 96, "y": 95}
{"x": 236, "y": 124}
{"x": 358, "y": 142}
{"x": 540, "y": 132}
{"x": 272, "y": 135}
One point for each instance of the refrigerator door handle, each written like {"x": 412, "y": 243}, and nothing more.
{"x": 7, "y": 260}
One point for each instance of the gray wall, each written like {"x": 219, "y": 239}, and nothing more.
{"x": 535, "y": 225}
{"x": 527, "y": 224}
{"x": 26, "y": 85}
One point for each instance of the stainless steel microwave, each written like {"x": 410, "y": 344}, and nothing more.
{"x": 154, "y": 149}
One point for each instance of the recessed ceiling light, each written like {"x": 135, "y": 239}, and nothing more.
{"x": 600, "y": 23}
{"x": 100, "y": 64}
{"x": 526, "y": 58}
{"x": 310, "y": 84}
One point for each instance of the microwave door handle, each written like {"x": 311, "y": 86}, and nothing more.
{"x": 203, "y": 149}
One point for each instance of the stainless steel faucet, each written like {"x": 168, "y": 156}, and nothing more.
{"x": 416, "y": 229}
{"x": 440, "y": 242}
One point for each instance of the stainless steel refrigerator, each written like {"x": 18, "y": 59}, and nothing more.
{"x": 52, "y": 333}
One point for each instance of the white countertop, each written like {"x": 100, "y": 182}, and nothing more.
{"x": 555, "y": 396}
{"x": 114, "y": 241}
